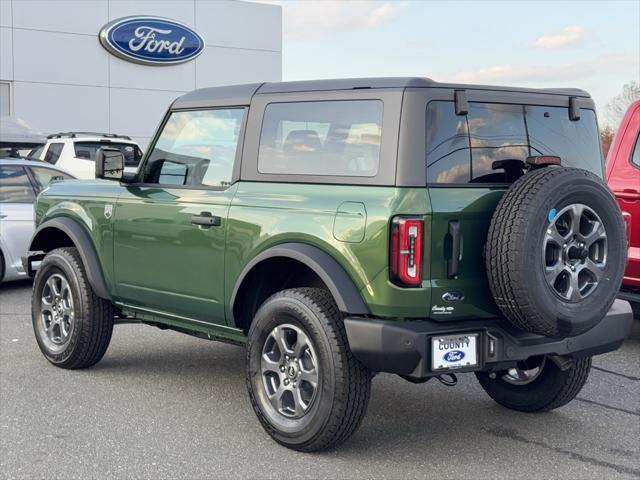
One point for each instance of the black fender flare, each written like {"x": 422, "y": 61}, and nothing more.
{"x": 342, "y": 287}
{"x": 82, "y": 241}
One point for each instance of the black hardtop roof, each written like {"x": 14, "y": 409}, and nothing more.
{"x": 241, "y": 94}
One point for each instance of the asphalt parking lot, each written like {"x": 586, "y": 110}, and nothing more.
{"x": 165, "y": 405}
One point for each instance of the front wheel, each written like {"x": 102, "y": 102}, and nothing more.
{"x": 539, "y": 385}
{"x": 308, "y": 390}
{"x": 71, "y": 323}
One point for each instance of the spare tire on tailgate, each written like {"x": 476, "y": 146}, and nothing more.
{"x": 556, "y": 251}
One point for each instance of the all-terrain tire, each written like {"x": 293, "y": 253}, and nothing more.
{"x": 515, "y": 252}
{"x": 343, "y": 386}
{"x": 89, "y": 326}
{"x": 552, "y": 389}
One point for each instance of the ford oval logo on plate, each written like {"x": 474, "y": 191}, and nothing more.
{"x": 453, "y": 356}
{"x": 151, "y": 40}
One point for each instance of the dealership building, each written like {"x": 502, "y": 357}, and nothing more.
{"x": 57, "y": 74}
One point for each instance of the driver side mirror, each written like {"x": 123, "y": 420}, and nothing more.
{"x": 109, "y": 163}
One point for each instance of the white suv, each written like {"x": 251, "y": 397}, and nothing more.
{"x": 76, "y": 151}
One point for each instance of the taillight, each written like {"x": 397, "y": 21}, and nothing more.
{"x": 407, "y": 236}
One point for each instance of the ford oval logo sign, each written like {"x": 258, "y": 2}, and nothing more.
{"x": 151, "y": 40}
{"x": 453, "y": 356}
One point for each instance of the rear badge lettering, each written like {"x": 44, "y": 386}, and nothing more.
{"x": 437, "y": 310}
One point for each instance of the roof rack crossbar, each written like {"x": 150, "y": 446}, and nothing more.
{"x": 95, "y": 134}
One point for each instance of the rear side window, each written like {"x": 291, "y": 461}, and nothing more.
{"x": 15, "y": 186}
{"x": 87, "y": 151}
{"x": 635, "y": 158}
{"x": 44, "y": 176}
{"x": 480, "y": 146}
{"x": 334, "y": 138}
{"x": 53, "y": 153}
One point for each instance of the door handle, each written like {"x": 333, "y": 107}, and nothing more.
{"x": 206, "y": 219}
{"x": 628, "y": 194}
{"x": 453, "y": 264}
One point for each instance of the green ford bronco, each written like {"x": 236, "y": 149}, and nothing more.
{"x": 341, "y": 228}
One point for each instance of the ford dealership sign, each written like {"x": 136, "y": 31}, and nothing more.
{"x": 151, "y": 40}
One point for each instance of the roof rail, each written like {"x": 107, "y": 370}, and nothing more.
{"x": 90, "y": 134}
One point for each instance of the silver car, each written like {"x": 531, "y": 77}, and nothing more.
{"x": 20, "y": 181}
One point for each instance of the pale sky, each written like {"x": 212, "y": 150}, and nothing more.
{"x": 594, "y": 45}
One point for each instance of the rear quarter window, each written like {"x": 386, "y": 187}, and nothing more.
{"x": 44, "y": 176}
{"x": 332, "y": 138}
{"x": 53, "y": 153}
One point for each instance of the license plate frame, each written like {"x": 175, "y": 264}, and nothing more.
{"x": 467, "y": 343}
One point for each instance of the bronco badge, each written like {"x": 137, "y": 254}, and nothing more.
{"x": 108, "y": 211}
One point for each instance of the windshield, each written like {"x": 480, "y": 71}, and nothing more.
{"x": 87, "y": 151}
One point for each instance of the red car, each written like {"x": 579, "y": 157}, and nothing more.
{"x": 623, "y": 175}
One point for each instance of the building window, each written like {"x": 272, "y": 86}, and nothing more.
{"x": 5, "y": 99}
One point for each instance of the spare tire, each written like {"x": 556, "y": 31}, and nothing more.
{"x": 556, "y": 252}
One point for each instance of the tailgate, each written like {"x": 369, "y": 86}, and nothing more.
{"x": 460, "y": 221}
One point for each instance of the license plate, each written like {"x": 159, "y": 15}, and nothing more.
{"x": 454, "y": 351}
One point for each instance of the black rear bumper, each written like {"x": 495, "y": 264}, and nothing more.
{"x": 403, "y": 347}
{"x": 632, "y": 296}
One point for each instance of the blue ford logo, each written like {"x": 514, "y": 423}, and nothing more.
{"x": 453, "y": 356}
{"x": 151, "y": 40}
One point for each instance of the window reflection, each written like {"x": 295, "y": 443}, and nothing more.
{"x": 196, "y": 148}
{"x": 465, "y": 148}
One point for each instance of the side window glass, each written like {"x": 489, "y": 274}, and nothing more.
{"x": 496, "y": 132}
{"x": 196, "y": 148}
{"x": 44, "y": 175}
{"x": 53, "y": 153}
{"x": 15, "y": 186}
{"x": 448, "y": 153}
{"x": 337, "y": 138}
{"x": 635, "y": 158}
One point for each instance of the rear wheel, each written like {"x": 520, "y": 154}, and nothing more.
{"x": 72, "y": 325}
{"x": 536, "y": 386}
{"x": 308, "y": 390}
